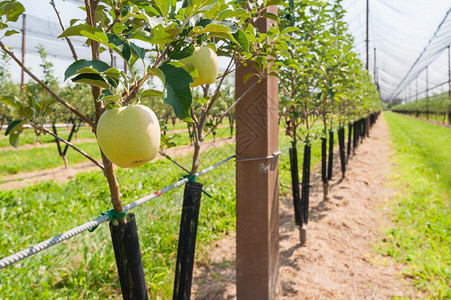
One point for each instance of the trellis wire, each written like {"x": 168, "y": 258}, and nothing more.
{"x": 7, "y": 261}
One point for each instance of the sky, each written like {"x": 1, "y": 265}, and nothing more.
{"x": 399, "y": 30}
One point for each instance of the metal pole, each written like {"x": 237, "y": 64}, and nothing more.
{"x": 367, "y": 34}
{"x": 449, "y": 85}
{"x": 22, "y": 76}
{"x": 427, "y": 94}
{"x": 374, "y": 65}
{"x": 416, "y": 84}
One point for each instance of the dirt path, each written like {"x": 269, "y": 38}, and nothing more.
{"x": 60, "y": 174}
{"x": 338, "y": 261}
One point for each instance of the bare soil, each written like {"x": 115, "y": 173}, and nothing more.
{"x": 339, "y": 260}
{"x": 61, "y": 174}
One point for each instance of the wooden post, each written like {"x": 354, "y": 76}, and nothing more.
{"x": 24, "y": 27}
{"x": 257, "y": 262}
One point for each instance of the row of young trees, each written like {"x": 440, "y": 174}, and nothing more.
{"x": 323, "y": 88}
{"x": 309, "y": 49}
{"x": 437, "y": 107}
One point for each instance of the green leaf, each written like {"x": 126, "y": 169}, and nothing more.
{"x": 11, "y": 101}
{"x": 164, "y": 6}
{"x": 113, "y": 98}
{"x": 14, "y": 139}
{"x": 87, "y": 31}
{"x": 92, "y": 79}
{"x": 12, "y": 9}
{"x": 11, "y": 32}
{"x": 271, "y": 16}
{"x": 236, "y": 13}
{"x": 138, "y": 51}
{"x": 157, "y": 72}
{"x": 80, "y": 64}
{"x": 247, "y": 77}
{"x": 151, "y": 93}
{"x": 14, "y": 126}
{"x": 112, "y": 72}
{"x": 142, "y": 36}
{"x": 178, "y": 91}
{"x": 119, "y": 46}
{"x": 185, "y": 52}
{"x": 241, "y": 39}
{"x": 210, "y": 28}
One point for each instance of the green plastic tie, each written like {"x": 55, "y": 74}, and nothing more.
{"x": 112, "y": 215}
{"x": 192, "y": 178}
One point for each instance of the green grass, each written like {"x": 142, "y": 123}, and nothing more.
{"x": 421, "y": 235}
{"x": 28, "y": 136}
{"x": 84, "y": 267}
{"x": 22, "y": 160}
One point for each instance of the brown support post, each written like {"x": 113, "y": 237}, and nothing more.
{"x": 257, "y": 208}
{"x": 24, "y": 27}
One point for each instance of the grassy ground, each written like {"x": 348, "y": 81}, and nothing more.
{"x": 84, "y": 267}
{"x": 421, "y": 234}
{"x": 13, "y": 160}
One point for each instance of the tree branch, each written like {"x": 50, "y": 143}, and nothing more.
{"x": 42, "y": 129}
{"x": 58, "y": 98}
{"x": 71, "y": 46}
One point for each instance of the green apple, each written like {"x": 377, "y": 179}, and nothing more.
{"x": 205, "y": 61}
{"x": 129, "y": 136}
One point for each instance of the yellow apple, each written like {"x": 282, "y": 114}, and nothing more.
{"x": 205, "y": 61}
{"x": 129, "y": 136}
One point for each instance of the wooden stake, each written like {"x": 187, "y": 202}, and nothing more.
{"x": 257, "y": 262}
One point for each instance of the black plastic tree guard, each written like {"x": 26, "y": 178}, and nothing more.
{"x": 349, "y": 141}
{"x": 295, "y": 184}
{"x": 356, "y": 134}
{"x": 341, "y": 143}
{"x": 324, "y": 165}
{"x": 305, "y": 192}
{"x": 331, "y": 155}
{"x": 187, "y": 241}
{"x": 128, "y": 259}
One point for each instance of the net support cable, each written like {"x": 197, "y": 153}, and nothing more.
{"x": 7, "y": 261}
{"x": 438, "y": 43}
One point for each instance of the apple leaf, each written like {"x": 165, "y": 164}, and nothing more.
{"x": 121, "y": 47}
{"x": 80, "y": 64}
{"x": 157, "y": 72}
{"x": 178, "y": 91}
{"x": 87, "y": 31}
{"x": 138, "y": 51}
{"x": 164, "y": 6}
{"x": 92, "y": 79}
{"x": 14, "y": 126}
{"x": 241, "y": 39}
{"x": 151, "y": 93}
{"x": 11, "y": 101}
{"x": 236, "y": 13}
{"x": 183, "y": 53}
{"x": 11, "y": 9}
{"x": 14, "y": 139}
{"x": 11, "y": 32}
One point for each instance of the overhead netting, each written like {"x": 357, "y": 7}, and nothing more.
{"x": 405, "y": 37}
